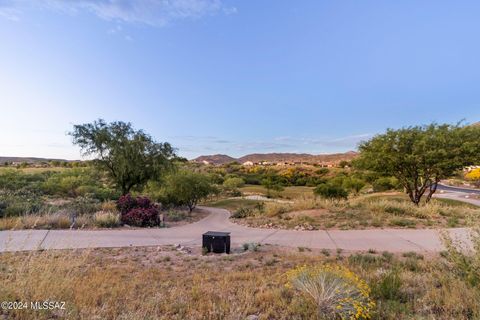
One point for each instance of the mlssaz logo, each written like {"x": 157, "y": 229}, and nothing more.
{"x": 47, "y": 305}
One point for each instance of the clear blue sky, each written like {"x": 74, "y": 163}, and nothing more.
{"x": 234, "y": 77}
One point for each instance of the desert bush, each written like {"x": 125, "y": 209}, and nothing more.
{"x": 384, "y": 184}
{"x": 138, "y": 211}
{"x": 176, "y": 215}
{"x": 106, "y": 219}
{"x": 231, "y": 185}
{"x": 82, "y": 205}
{"x": 276, "y": 209}
{"x": 366, "y": 260}
{"x": 473, "y": 175}
{"x": 336, "y": 291}
{"x": 14, "y": 180}
{"x": 110, "y": 206}
{"x": 243, "y": 212}
{"x": 331, "y": 191}
{"x": 78, "y": 182}
{"x": 353, "y": 184}
{"x": 19, "y": 202}
{"x": 252, "y": 246}
{"x": 186, "y": 188}
{"x": 388, "y": 286}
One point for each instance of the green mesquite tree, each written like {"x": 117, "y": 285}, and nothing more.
{"x": 131, "y": 157}
{"x": 421, "y": 156}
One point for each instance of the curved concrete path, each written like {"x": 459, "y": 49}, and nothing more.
{"x": 394, "y": 240}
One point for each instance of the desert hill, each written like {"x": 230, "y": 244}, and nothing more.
{"x": 279, "y": 157}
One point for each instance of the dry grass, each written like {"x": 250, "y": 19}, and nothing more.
{"x": 35, "y": 170}
{"x": 61, "y": 220}
{"x": 161, "y": 283}
{"x": 370, "y": 211}
{"x": 287, "y": 193}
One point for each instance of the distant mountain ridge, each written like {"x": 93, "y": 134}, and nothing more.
{"x": 278, "y": 157}
{"x": 28, "y": 159}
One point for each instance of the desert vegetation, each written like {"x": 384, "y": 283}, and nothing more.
{"x": 265, "y": 283}
{"x": 363, "y": 193}
{"x": 134, "y": 181}
{"x": 378, "y": 210}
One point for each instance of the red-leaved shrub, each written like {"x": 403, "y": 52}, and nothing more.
{"x": 138, "y": 211}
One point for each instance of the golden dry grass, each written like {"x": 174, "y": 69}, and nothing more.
{"x": 161, "y": 283}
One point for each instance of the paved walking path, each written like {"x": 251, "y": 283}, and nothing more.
{"x": 394, "y": 240}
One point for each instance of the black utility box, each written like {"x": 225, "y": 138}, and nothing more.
{"x": 217, "y": 242}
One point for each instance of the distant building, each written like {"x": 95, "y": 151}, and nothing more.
{"x": 205, "y": 162}
{"x": 248, "y": 163}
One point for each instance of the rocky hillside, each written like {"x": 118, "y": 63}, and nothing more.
{"x": 215, "y": 159}
{"x": 279, "y": 157}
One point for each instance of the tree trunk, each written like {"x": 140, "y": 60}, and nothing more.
{"x": 433, "y": 188}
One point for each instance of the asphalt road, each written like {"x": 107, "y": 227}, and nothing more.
{"x": 394, "y": 240}
{"x": 457, "y": 189}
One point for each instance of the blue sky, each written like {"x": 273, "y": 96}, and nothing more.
{"x": 234, "y": 77}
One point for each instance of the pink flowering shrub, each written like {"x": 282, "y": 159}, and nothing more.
{"x": 140, "y": 211}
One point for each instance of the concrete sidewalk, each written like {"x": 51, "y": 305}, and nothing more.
{"x": 394, "y": 240}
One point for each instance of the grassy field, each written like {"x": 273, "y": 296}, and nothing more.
{"x": 287, "y": 193}
{"x": 391, "y": 210}
{"x": 164, "y": 283}
{"x": 34, "y": 170}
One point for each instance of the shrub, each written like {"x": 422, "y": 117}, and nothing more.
{"x": 252, "y": 246}
{"x": 242, "y": 213}
{"x": 186, "y": 188}
{"x": 82, "y": 205}
{"x": 19, "y": 202}
{"x": 384, "y": 184}
{"x": 106, "y": 219}
{"x": 473, "y": 175}
{"x": 276, "y": 209}
{"x": 138, "y": 211}
{"x": 331, "y": 191}
{"x": 126, "y": 203}
{"x": 176, "y": 215}
{"x": 232, "y": 184}
{"x": 395, "y": 210}
{"x": 366, "y": 260}
{"x": 336, "y": 291}
{"x": 388, "y": 287}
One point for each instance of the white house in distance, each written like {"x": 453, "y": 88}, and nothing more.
{"x": 248, "y": 163}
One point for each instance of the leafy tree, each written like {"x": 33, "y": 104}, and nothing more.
{"x": 271, "y": 184}
{"x": 421, "y": 156}
{"x": 186, "y": 188}
{"x": 343, "y": 164}
{"x": 232, "y": 184}
{"x": 131, "y": 157}
{"x": 331, "y": 191}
